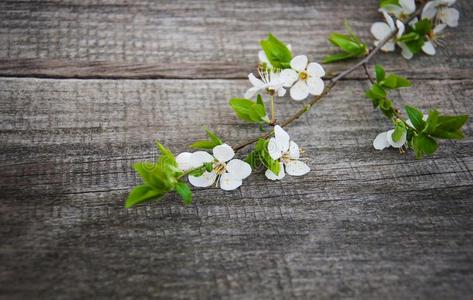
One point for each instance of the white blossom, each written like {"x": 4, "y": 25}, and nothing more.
{"x": 403, "y": 10}
{"x": 281, "y": 148}
{"x": 270, "y": 82}
{"x": 432, "y": 40}
{"x": 227, "y": 172}
{"x": 441, "y": 12}
{"x": 385, "y": 140}
{"x": 306, "y": 76}
{"x": 381, "y": 30}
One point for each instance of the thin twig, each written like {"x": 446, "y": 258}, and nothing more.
{"x": 331, "y": 84}
{"x": 370, "y": 78}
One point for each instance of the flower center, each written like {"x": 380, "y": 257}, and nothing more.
{"x": 303, "y": 75}
{"x": 219, "y": 168}
{"x": 286, "y": 158}
{"x": 270, "y": 91}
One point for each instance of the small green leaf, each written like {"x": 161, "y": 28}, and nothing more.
{"x": 423, "y": 27}
{"x": 185, "y": 192}
{"x": 140, "y": 194}
{"x": 248, "y": 110}
{"x": 423, "y": 145}
{"x": 213, "y": 137}
{"x": 277, "y": 52}
{"x": 415, "y": 116}
{"x": 378, "y": 91}
{"x": 337, "y": 57}
{"x": 409, "y": 37}
{"x": 449, "y": 127}
{"x": 384, "y": 3}
{"x": 379, "y": 70}
{"x": 204, "y": 144}
{"x": 345, "y": 43}
{"x": 212, "y": 142}
{"x": 393, "y": 82}
{"x": 167, "y": 155}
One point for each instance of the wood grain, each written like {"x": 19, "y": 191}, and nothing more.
{"x": 363, "y": 224}
{"x": 200, "y": 39}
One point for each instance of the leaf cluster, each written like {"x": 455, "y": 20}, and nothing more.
{"x": 159, "y": 179}
{"x": 378, "y": 91}
{"x": 414, "y": 38}
{"x": 423, "y": 134}
{"x": 350, "y": 45}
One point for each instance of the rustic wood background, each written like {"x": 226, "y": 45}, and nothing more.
{"x": 86, "y": 88}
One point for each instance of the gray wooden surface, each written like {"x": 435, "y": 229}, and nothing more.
{"x": 86, "y": 87}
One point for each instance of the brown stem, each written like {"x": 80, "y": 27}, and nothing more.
{"x": 370, "y": 78}
{"x": 331, "y": 84}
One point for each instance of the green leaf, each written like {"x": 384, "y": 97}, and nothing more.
{"x": 212, "y": 142}
{"x": 384, "y": 3}
{"x": 423, "y": 27}
{"x": 350, "y": 31}
{"x": 394, "y": 81}
{"x": 338, "y": 57}
{"x": 260, "y": 155}
{"x": 378, "y": 91}
{"x": 448, "y": 127}
{"x": 277, "y": 52}
{"x": 345, "y": 43}
{"x": 140, "y": 194}
{"x": 167, "y": 155}
{"x": 204, "y": 145}
{"x": 213, "y": 137}
{"x": 248, "y": 110}
{"x": 380, "y": 74}
{"x": 409, "y": 37}
{"x": 415, "y": 116}
{"x": 185, "y": 192}
{"x": 423, "y": 145}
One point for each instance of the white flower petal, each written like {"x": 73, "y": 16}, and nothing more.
{"x": 238, "y": 168}
{"x": 406, "y": 52}
{"x": 228, "y": 182}
{"x": 397, "y": 144}
{"x": 389, "y": 47}
{"x": 198, "y": 158}
{"x": 251, "y": 92}
{"x": 299, "y": 63}
{"x": 315, "y": 69}
{"x": 401, "y": 28}
{"x": 429, "y": 11}
{"x": 294, "y": 152}
{"x": 263, "y": 58}
{"x": 380, "y": 30}
{"x": 207, "y": 179}
{"x": 273, "y": 149}
{"x": 381, "y": 142}
{"x": 409, "y": 6}
{"x": 450, "y": 16}
{"x": 281, "y": 92}
{"x": 288, "y": 77}
{"x": 297, "y": 168}
{"x": 223, "y": 153}
{"x": 389, "y": 20}
{"x": 439, "y": 28}
{"x": 282, "y": 138}
{"x": 428, "y": 48}
{"x": 256, "y": 82}
{"x": 315, "y": 85}
{"x": 184, "y": 161}
{"x": 299, "y": 91}
{"x": 392, "y": 9}
{"x": 271, "y": 176}
{"x": 413, "y": 22}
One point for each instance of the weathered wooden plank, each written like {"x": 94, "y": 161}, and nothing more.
{"x": 202, "y": 39}
{"x": 363, "y": 224}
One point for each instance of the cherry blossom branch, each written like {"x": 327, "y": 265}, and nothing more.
{"x": 332, "y": 83}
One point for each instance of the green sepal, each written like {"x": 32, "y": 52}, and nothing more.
{"x": 140, "y": 194}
